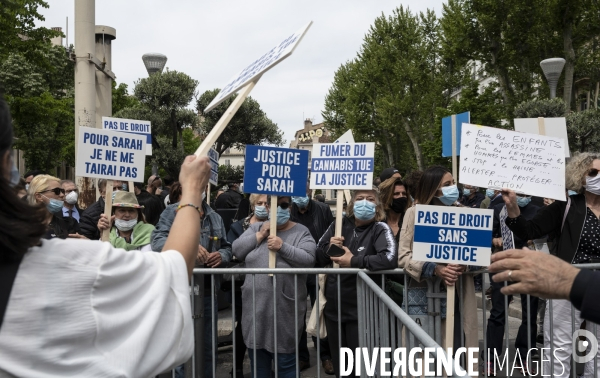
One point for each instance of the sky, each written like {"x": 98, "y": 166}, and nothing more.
{"x": 212, "y": 41}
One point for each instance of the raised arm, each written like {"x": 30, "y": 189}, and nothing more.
{"x": 185, "y": 233}
{"x": 247, "y": 242}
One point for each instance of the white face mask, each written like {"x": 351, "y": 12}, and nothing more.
{"x": 123, "y": 225}
{"x": 592, "y": 184}
{"x": 71, "y": 198}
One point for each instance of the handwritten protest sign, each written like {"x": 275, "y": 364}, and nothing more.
{"x": 552, "y": 127}
{"x": 259, "y": 66}
{"x": 453, "y": 235}
{"x": 110, "y": 155}
{"x": 130, "y": 126}
{"x": 526, "y": 163}
{"x": 213, "y": 155}
{"x": 276, "y": 171}
{"x": 342, "y": 166}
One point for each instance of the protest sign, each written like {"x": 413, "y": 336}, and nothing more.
{"x": 110, "y": 155}
{"x": 526, "y": 163}
{"x": 259, "y": 66}
{"x": 552, "y": 127}
{"x": 447, "y": 132}
{"x": 453, "y": 235}
{"x": 342, "y": 166}
{"x": 130, "y": 126}
{"x": 275, "y": 171}
{"x": 346, "y": 137}
{"x": 213, "y": 155}
{"x": 508, "y": 239}
{"x": 244, "y": 82}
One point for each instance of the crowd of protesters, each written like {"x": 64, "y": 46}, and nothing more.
{"x": 116, "y": 309}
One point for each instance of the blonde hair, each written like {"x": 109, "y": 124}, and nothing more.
{"x": 39, "y": 184}
{"x": 379, "y": 212}
{"x": 577, "y": 169}
{"x": 254, "y": 199}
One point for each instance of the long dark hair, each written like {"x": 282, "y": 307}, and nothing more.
{"x": 21, "y": 225}
{"x": 429, "y": 184}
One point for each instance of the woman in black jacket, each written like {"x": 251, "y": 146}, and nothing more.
{"x": 368, "y": 244}
{"x": 576, "y": 228}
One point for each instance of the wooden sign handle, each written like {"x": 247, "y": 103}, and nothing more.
{"x": 339, "y": 218}
{"x": 454, "y": 160}
{"x": 108, "y": 209}
{"x": 131, "y": 187}
{"x": 216, "y": 131}
{"x": 451, "y": 295}
{"x": 541, "y": 126}
{"x": 273, "y": 231}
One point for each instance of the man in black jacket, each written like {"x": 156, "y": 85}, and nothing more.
{"x": 153, "y": 204}
{"x": 88, "y": 223}
{"x": 230, "y": 199}
{"x": 472, "y": 197}
{"x": 317, "y": 217}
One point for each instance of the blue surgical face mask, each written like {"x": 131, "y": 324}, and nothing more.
{"x": 302, "y": 202}
{"x": 449, "y": 195}
{"x": 54, "y": 206}
{"x": 14, "y": 176}
{"x": 364, "y": 210}
{"x": 490, "y": 193}
{"x": 261, "y": 212}
{"x": 571, "y": 192}
{"x": 466, "y": 192}
{"x": 343, "y": 213}
{"x": 125, "y": 187}
{"x": 283, "y": 215}
{"x": 523, "y": 201}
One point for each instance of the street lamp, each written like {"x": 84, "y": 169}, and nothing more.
{"x": 552, "y": 69}
{"x": 154, "y": 62}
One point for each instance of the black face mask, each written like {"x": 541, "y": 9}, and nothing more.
{"x": 399, "y": 204}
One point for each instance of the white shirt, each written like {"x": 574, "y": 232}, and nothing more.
{"x": 82, "y": 308}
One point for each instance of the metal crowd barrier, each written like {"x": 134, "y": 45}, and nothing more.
{"x": 383, "y": 321}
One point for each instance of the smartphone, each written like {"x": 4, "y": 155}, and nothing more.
{"x": 335, "y": 251}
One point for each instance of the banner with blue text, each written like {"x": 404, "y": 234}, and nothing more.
{"x": 342, "y": 166}
{"x": 276, "y": 171}
{"x": 453, "y": 235}
{"x": 110, "y": 155}
{"x": 130, "y": 126}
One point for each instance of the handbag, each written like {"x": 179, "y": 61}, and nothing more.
{"x": 311, "y": 327}
{"x": 395, "y": 291}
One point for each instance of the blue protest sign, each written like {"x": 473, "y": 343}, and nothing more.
{"x": 447, "y": 132}
{"x": 276, "y": 171}
{"x": 453, "y": 235}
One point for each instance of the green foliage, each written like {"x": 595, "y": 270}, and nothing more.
{"x": 121, "y": 99}
{"x": 249, "y": 125}
{"x": 541, "y": 108}
{"x": 230, "y": 173}
{"x": 583, "y": 129}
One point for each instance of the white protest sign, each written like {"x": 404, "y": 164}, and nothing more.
{"x": 110, "y": 155}
{"x": 130, "y": 126}
{"x": 453, "y": 235}
{"x": 259, "y": 66}
{"x": 552, "y": 127}
{"x": 342, "y": 166}
{"x": 346, "y": 137}
{"x": 526, "y": 163}
{"x": 213, "y": 155}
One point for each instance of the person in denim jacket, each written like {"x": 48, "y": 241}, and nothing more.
{"x": 213, "y": 250}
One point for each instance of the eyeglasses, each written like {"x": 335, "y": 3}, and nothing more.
{"x": 284, "y": 205}
{"x": 593, "y": 172}
{"x": 56, "y": 191}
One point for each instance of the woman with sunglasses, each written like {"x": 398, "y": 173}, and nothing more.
{"x": 46, "y": 190}
{"x": 576, "y": 230}
{"x": 295, "y": 248}
{"x": 437, "y": 187}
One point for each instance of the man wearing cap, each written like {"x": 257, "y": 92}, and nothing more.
{"x": 129, "y": 228}
{"x": 213, "y": 249}
{"x": 388, "y": 173}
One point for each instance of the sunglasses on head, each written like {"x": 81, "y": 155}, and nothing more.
{"x": 284, "y": 205}
{"x": 56, "y": 191}
{"x": 593, "y": 172}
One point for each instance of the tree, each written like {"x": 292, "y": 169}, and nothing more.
{"x": 583, "y": 130}
{"x": 249, "y": 125}
{"x": 121, "y": 99}
{"x": 389, "y": 93}
{"x": 541, "y": 108}
{"x": 229, "y": 174}
{"x": 166, "y": 95}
